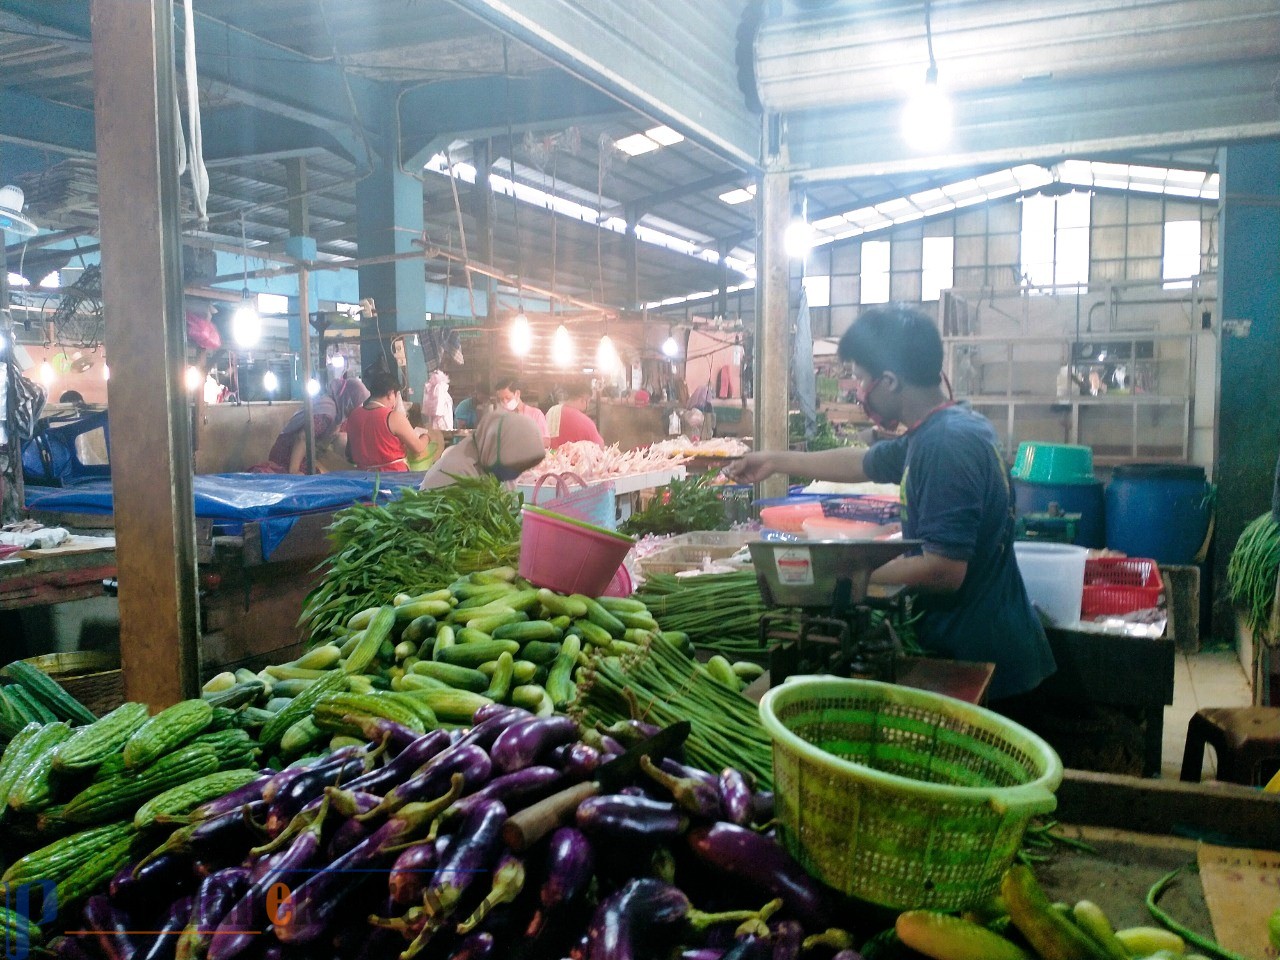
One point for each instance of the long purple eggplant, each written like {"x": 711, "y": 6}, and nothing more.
{"x": 622, "y": 817}
{"x": 411, "y": 872}
{"x": 570, "y": 863}
{"x": 491, "y": 710}
{"x": 847, "y": 955}
{"x": 523, "y": 743}
{"x": 694, "y": 796}
{"x": 229, "y": 831}
{"x": 140, "y": 886}
{"x": 238, "y": 928}
{"x": 735, "y": 797}
{"x": 469, "y": 760}
{"x": 749, "y": 948}
{"x": 578, "y": 760}
{"x": 395, "y": 736}
{"x": 484, "y": 734}
{"x": 110, "y": 926}
{"x": 677, "y": 769}
{"x": 630, "y": 732}
{"x": 218, "y": 894}
{"x": 71, "y": 948}
{"x": 286, "y": 776}
{"x": 165, "y": 944}
{"x": 788, "y": 937}
{"x": 476, "y": 946}
{"x": 311, "y": 908}
{"x": 228, "y": 802}
{"x": 762, "y": 806}
{"x": 289, "y": 802}
{"x": 702, "y": 953}
{"x": 515, "y": 790}
{"x": 761, "y": 862}
{"x": 626, "y": 923}
{"x": 353, "y": 830}
{"x": 403, "y": 765}
{"x": 508, "y": 880}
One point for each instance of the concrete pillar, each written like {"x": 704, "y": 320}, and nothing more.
{"x": 388, "y": 219}
{"x": 1249, "y": 325}
{"x": 773, "y": 324}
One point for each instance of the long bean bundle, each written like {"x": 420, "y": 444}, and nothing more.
{"x": 719, "y": 611}
{"x": 661, "y": 685}
{"x": 420, "y": 541}
{"x": 1251, "y": 573}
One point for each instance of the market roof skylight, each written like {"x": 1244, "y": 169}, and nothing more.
{"x": 739, "y": 194}
{"x": 636, "y": 144}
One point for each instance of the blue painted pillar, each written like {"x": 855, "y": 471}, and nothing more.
{"x": 1249, "y": 316}
{"x": 388, "y": 220}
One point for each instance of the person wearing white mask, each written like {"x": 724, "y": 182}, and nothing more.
{"x": 507, "y": 393}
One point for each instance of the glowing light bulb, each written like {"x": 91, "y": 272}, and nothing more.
{"x": 47, "y": 374}
{"x": 798, "y": 239}
{"x": 607, "y": 355}
{"x": 313, "y": 387}
{"x": 192, "y": 379}
{"x": 926, "y": 118}
{"x": 270, "y": 382}
{"x": 338, "y": 362}
{"x": 562, "y": 347}
{"x": 521, "y": 336}
{"x": 670, "y": 348}
{"x": 246, "y": 325}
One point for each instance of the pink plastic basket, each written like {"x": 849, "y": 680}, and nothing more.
{"x": 567, "y": 555}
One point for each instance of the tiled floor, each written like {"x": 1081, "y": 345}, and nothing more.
{"x": 1210, "y": 679}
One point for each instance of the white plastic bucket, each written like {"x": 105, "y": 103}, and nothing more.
{"x": 1054, "y": 577}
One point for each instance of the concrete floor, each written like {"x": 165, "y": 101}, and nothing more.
{"x": 1206, "y": 679}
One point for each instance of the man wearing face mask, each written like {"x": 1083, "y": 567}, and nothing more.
{"x": 508, "y": 396}
{"x": 956, "y": 498}
{"x": 503, "y": 444}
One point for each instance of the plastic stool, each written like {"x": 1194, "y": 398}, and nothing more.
{"x": 1246, "y": 740}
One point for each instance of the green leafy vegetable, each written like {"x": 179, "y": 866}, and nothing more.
{"x": 682, "y": 506}
{"x": 1251, "y": 573}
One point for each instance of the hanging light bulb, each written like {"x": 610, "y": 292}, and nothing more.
{"x": 607, "y": 358}
{"x": 926, "y": 118}
{"x": 106, "y": 372}
{"x": 670, "y": 348}
{"x": 47, "y": 374}
{"x": 246, "y": 325}
{"x": 521, "y": 335}
{"x": 338, "y": 362}
{"x": 192, "y": 379}
{"x": 270, "y": 382}
{"x": 313, "y": 387}
{"x": 562, "y": 347}
{"x": 798, "y": 239}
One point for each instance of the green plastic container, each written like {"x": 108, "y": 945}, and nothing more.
{"x": 901, "y": 797}
{"x": 1056, "y": 463}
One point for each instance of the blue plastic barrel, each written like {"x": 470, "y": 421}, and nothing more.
{"x": 1159, "y": 511}
{"x": 1085, "y": 499}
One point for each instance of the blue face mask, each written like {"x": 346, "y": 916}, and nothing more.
{"x": 504, "y": 473}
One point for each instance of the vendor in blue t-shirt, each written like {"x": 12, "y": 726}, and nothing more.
{"x": 956, "y": 499}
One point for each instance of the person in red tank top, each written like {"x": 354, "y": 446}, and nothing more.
{"x": 568, "y": 422}
{"x": 379, "y": 436}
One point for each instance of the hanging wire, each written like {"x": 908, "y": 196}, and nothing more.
{"x": 244, "y": 252}
{"x": 928, "y": 38}
{"x": 511, "y": 166}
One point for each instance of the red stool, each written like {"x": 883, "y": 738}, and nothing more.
{"x": 1246, "y": 740}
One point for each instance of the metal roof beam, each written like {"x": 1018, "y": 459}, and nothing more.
{"x": 37, "y": 122}
{"x": 245, "y": 133}
{"x": 711, "y": 182}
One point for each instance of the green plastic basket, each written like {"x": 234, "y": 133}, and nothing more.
{"x": 901, "y": 797}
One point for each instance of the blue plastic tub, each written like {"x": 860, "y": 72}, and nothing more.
{"x": 1159, "y": 511}
{"x": 1086, "y": 499}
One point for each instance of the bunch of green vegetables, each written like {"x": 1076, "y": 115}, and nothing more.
{"x": 681, "y": 507}
{"x": 719, "y": 611}
{"x": 1251, "y": 573}
{"x": 824, "y": 437}
{"x": 418, "y": 542}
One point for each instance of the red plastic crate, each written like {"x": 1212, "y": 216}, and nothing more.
{"x": 1117, "y": 585}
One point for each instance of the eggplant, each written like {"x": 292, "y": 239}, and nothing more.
{"x": 313, "y": 905}
{"x": 477, "y": 946}
{"x": 749, "y": 948}
{"x": 578, "y": 760}
{"x": 394, "y": 736}
{"x": 218, "y": 894}
{"x": 735, "y": 797}
{"x": 176, "y": 918}
{"x": 694, "y": 796}
{"x": 468, "y": 760}
{"x": 353, "y": 830}
{"x": 110, "y": 926}
{"x": 289, "y": 801}
{"x": 513, "y": 789}
{"x": 788, "y": 936}
{"x": 508, "y": 880}
{"x": 238, "y": 928}
{"x": 611, "y": 746}
{"x": 677, "y": 769}
{"x": 286, "y": 776}
{"x": 69, "y": 948}
{"x": 483, "y": 734}
{"x": 477, "y": 845}
{"x": 229, "y": 802}
{"x": 702, "y": 953}
{"x": 140, "y": 886}
{"x": 229, "y": 831}
{"x": 847, "y": 955}
{"x": 521, "y": 744}
{"x": 630, "y": 732}
{"x": 762, "y": 806}
{"x": 410, "y": 873}
{"x": 762, "y": 863}
{"x": 622, "y": 817}
{"x": 491, "y": 710}
{"x": 570, "y": 863}
{"x": 404, "y": 765}
{"x": 633, "y": 912}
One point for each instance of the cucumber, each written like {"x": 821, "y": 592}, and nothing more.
{"x": 47, "y": 691}
{"x": 533, "y": 630}
{"x": 419, "y": 629}
{"x": 445, "y": 638}
{"x": 622, "y": 605}
{"x": 464, "y": 678}
{"x": 540, "y": 652}
{"x": 421, "y": 608}
{"x": 379, "y": 629}
{"x": 494, "y": 575}
{"x": 500, "y": 682}
{"x": 601, "y": 617}
{"x": 451, "y": 706}
{"x": 468, "y": 635}
{"x": 557, "y": 605}
{"x": 490, "y": 623}
{"x": 323, "y": 657}
{"x": 593, "y": 633}
{"x": 474, "y": 654}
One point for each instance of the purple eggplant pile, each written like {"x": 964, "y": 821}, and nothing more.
{"x": 407, "y": 848}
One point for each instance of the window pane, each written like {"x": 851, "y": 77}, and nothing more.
{"x": 875, "y": 271}
{"x": 819, "y": 291}
{"x": 1036, "y": 254}
{"x": 936, "y": 273}
{"x": 1181, "y": 253}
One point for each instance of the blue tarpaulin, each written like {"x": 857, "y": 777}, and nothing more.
{"x": 274, "y": 501}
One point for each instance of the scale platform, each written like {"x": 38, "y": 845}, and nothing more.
{"x": 827, "y": 575}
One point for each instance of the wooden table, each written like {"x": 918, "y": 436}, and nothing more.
{"x": 951, "y": 678}
{"x": 48, "y": 577}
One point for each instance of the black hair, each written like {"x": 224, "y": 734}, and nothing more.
{"x": 381, "y": 381}
{"x": 507, "y": 383}
{"x": 573, "y": 389}
{"x": 897, "y": 339}
{"x": 71, "y": 396}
